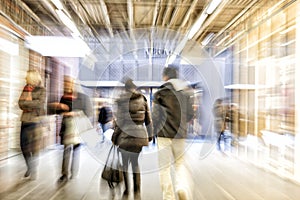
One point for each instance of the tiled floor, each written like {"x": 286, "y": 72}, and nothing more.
{"x": 214, "y": 176}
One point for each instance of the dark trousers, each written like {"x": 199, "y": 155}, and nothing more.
{"x": 127, "y": 159}
{"x": 29, "y": 142}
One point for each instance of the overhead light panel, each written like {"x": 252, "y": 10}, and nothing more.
{"x": 58, "y": 46}
{"x": 170, "y": 59}
{"x": 212, "y": 6}
{"x": 68, "y": 22}
{"x": 197, "y": 25}
{"x": 58, "y": 4}
{"x": 207, "y": 39}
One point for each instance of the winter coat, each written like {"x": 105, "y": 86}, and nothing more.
{"x": 133, "y": 125}
{"x": 172, "y": 109}
{"x": 33, "y": 110}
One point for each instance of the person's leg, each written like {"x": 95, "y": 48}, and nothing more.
{"x": 154, "y": 139}
{"x": 75, "y": 161}
{"x": 183, "y": 179}
{"x": 34, "y": 149}
{"x": 219, "y": 141}
{"x": 136, "y": 180}
{"x": 103, "y": 127}
{"x": 125, "y": 162}
{"x": 136, "y": 171}
{"x": 66, "y": 162}
{"x": 106, "y": 126}
{"x": 165, "y": 157}
{"x": 25, "y": 146}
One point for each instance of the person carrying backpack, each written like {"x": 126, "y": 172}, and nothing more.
{"x": 132, "y": 131}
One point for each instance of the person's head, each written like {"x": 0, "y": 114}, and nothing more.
{"x": 103, "y": 103}
{"x": 169, "y": 72}
{"x": 69, "y": 83}
{"x": 33, "y": 77}
{"x": 218, "y": 101}
{"x": 129, "y": 85}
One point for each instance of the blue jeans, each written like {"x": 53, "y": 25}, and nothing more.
{"x": 106, "y": 126}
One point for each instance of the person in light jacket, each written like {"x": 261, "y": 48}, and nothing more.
{"x": 32, "y": 103}
{"x": 133, "y": 130}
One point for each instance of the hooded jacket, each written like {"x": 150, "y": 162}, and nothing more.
{"x": 172, "y": 109}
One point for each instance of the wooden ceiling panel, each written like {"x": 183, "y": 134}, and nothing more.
{"x": 104, "y": 19}
{"x": 143, "y": 16}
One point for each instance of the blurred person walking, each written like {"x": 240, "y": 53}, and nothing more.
{"x": 219, "y": 112}
{"x": 133, "y": 130}
{"x": 105, "y": 118}
{"x": 233, "y": 123}
{"x": 72, "y": 103}
{"x": 172, "y": 111}
{"x": 32, "y": 103}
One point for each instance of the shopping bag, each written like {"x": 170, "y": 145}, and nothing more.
{"x": 82, "y": 122}
{"x": 74, "y": 126}
{"x": 112, "y": 171}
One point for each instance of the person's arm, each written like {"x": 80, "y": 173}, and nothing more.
{"x": 190, "y": 109}
{"x": 158, "y": 115}
{"x": 148, "y": 121}
{"x": 189, "y": 95}
{"x": 27, "y": 103}
{"x": 116, "y": 133}
{"x": 59, "y": 107}
{"x": 25, "y": 97}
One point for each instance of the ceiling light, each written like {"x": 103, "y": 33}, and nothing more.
{"x": 197, "y": 25}
{"x": 68, "y": 22}
{"x": 58, "y": 4}
{"x": 212, "y": 6}
{"x": 171, "y": 59}
{"x": 58, "y": 46}
{"x": 207, "y": 39}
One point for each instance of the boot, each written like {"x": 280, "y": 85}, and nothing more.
{"x": 137, "y": 182}
{"x": 126, "y": 191}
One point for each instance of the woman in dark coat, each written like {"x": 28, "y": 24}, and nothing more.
{"x": 32, "y": 103}
{"x": 133, "y": 130}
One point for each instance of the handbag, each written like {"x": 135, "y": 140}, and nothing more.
{"x": 133, "y": 136}
{"x": 112, "y": 171}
